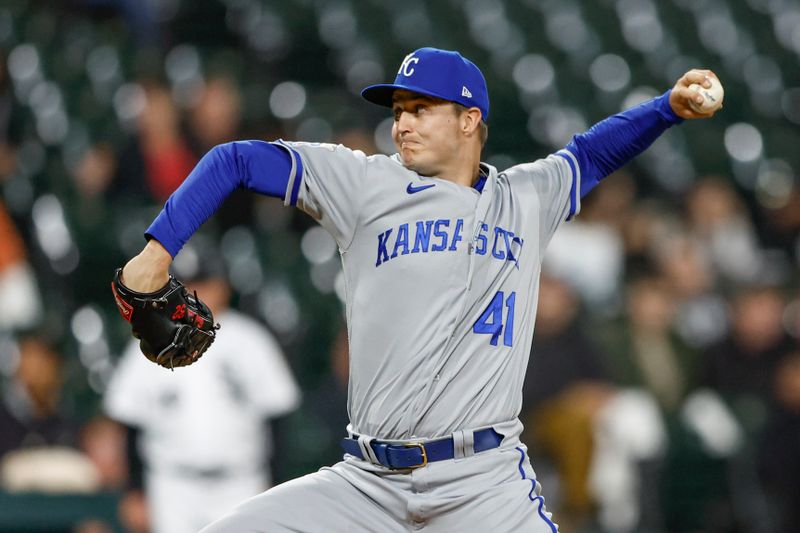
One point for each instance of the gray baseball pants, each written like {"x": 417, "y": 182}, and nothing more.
{"x": 495, "y": 490}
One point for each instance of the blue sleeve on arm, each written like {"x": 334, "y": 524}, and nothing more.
{"x": 611, "y": 143}
{"x": 253, "y": 165}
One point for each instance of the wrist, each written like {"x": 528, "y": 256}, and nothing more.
{"x": 148, "y": 271}
{"x": 155, "y": 253}
{"x": 667, "y": 108}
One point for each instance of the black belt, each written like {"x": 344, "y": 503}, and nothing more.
{"x": 419, "y": 454}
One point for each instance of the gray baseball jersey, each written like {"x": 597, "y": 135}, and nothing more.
{"x": 441, "y": 282}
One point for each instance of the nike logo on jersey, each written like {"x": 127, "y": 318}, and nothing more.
{"x": 411, "y": 189}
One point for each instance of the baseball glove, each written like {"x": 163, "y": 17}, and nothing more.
{"x": 174, "y": 327}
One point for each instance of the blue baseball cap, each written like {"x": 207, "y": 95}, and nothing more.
{"x": 440, "y": 73}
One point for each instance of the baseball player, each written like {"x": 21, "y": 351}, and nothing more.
{"x": 441, "y": 256}
{"x": 189, "y": 422}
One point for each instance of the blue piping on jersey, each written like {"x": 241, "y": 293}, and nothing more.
{"x": 534, "y": 499}
{"x": 295, "y": 176}
{"x": 521, "y": 459}
{"x": 480, "y": 183}
{"x": 553, "y": 527}
{"x": 575, "y": 190}
{"x": 297, "y": 168}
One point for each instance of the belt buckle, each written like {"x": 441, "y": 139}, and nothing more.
{"x": 421, "y": 447}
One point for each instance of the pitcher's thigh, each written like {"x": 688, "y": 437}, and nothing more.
{"x": 510, "y": 507}
{"x": 320, "y": 502}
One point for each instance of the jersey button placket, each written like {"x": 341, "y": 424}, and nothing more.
{"x": 435, "y": 377}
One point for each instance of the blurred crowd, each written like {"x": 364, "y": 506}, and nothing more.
{"x": 663, "y": 391}
{"x": 663, "y": 379}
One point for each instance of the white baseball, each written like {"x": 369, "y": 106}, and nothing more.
{"x": 712, "y": 97}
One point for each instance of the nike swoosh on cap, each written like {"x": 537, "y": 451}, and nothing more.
{"x": 411, "y": 189}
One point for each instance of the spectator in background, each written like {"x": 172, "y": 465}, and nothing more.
{"x": 103, "y": 442}
{"x": 597, "y": 272}
{"x": 779, "y": 445}
{"x": 105, "y": 445}
{"x": 19, "y": 294}
{"x": 565, "y": 387}
{"x": 691, "y": 427}
{"x": 31, "y": 413}
{"x": 10, "y": 122}
{"x": 159, "y": 158}
{"x": 38, "y": 439}
{"x": 95, "y": 219}
{"x": 216, "y": 118}
{"x": 646, "y": 361}
{"x": 741, "y": 367}
{"x": 313, "y": 432}
{"x": 92, "y": 177}
{"x": 201, "y": 432}
{"x": 691, "y": 279}
{"x": 19, "y": 297}
{"x": 719, "y": 221}
{"x": 643, "y": 223}
{"x": 646, "y": 351}
{"x": 782, "y": 223}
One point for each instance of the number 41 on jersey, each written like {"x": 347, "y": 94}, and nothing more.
{"x": 491, "y": 321}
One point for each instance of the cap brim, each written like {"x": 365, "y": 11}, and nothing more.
{"x": 382, "y": 93}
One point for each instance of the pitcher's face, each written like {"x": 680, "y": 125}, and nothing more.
{"x": 425, "y": 131}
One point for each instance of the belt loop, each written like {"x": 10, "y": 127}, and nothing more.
{"x": 458, "y": 445}
{"x": 469, "y": 443}
{"x": 364, "y": 443}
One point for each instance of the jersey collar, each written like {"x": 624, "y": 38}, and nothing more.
{"x": 486, "y": 171}
{"x": 482, "y": 177}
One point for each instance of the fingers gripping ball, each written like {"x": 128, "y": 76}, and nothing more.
{"x": 174, "y": 328}
{"x": 712, "y": 96}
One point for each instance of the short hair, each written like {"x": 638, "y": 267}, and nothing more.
{"x": 483, "y": 133}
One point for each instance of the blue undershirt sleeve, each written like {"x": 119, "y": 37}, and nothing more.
{"x": 258, "y": 166}
{"x": 611, "y": 143}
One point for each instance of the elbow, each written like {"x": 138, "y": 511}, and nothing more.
{"x": 228, "y": 161}
{"x": 224, "y": 149}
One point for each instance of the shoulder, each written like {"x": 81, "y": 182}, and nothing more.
{"x": 323, "y": 149}
{"x": 389, "y": 164}
{"x": 379, "y": 160}
{"x": 341, "y": 154}
{"x": 551, "y": 163}
{"x": 547, "y": 175}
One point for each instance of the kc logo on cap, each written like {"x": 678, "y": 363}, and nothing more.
{"x": 406, "y": 67}
{"x": 439, "y": 73}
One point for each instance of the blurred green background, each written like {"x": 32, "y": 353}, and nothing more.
{"x": 106, "y": 104}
